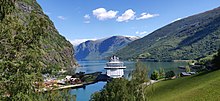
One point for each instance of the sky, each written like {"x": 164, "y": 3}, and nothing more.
{"x": 81, "y": 20}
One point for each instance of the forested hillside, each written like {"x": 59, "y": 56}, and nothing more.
{"x": 190, "y": 38}
{"x": 26, "y": 32}
{"x": 29, "y": 46}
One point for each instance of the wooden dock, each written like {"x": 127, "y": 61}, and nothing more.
{"x": 69, "y": 86}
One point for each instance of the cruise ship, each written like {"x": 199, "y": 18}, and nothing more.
{"x": 115, "y": 68}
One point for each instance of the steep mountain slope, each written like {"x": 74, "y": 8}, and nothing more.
{"x": 28, "y": 36}
{"x": 190, "y": 38}
{"x": 102, "y": 48}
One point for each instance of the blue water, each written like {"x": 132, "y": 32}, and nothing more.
{"x": 91, "y": 66}
{"x": 83, "y": 94}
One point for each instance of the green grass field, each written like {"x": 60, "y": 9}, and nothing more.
{"x": 201, "y": 87}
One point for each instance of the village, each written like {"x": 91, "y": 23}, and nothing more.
{"x": 77, "y": 80}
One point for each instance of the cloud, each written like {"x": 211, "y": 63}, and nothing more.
{"x": 146, "y": 16}
{"x": 86, "y": 21}
{"x": 61, "y": 17}
{"x": 87, "y": 16}
{"x": 102, "y": 14}
{"x": 176, "y": 19}
{"x": 126, "y": 16}
{"x": 79, "y": 41}
{"x": 141, "y": 33}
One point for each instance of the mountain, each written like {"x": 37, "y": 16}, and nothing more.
{"x": 28, "y": 37}
{"x": 193, "y": 37}
{"x": 102, "y": 48}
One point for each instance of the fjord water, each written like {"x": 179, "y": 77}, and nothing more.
{"x": 83, "y": 94}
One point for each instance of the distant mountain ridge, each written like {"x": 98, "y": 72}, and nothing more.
{"x": 101, "y": 48}
{"x": 193, "y": 37}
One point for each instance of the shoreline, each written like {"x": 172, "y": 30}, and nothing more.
{"x": 183, "y": 60}
{"x": 153, "y": 60}
{"x": 75, "y": 86}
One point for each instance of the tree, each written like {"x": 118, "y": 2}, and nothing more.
{"x": 188, "y": 69}
{"x": 116, "y": 90}
{"x": 139, "y": 76}
{"x": 155, "y": 75}
{"x": 216, "y": 61}
{"x": 140, "y": 73}
{"x": 161, "y": 73}
{"x": 169, "y": 74}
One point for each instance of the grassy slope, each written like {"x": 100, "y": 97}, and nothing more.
{"x": 194, "y": 88}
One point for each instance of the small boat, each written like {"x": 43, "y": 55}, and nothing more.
{"x": 182, "y": 67}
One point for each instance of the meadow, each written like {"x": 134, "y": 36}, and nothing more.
{"x": 201, "y": 87}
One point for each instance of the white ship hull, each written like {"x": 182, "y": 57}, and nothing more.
{"x": 115, "y": 73}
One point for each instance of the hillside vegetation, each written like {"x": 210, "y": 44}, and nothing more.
{"x": 201, "y": 87}
{"x": 26, "y": 30}
{"x": 29, "y": 46}
{"x": 193, "y": 37}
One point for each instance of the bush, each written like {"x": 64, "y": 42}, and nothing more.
{"x": 169, "y": 74}
{"x": 188, "y": 69}
{"x": 155, "y": 75}
{"x": 216, "y": 61}
{"x": 161, "y": 73}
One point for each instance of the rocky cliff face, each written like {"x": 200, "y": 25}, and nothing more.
{"x": 27, "y": 33}
{"x": 102, "y": 48}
